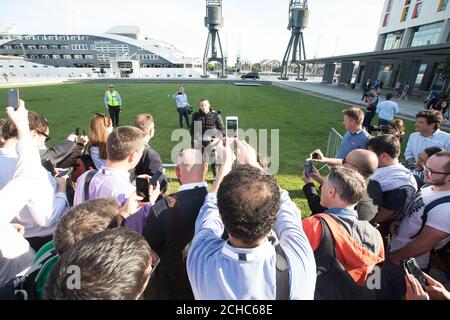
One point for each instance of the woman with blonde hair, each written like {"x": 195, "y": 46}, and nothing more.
{"x": 101, "y": 127}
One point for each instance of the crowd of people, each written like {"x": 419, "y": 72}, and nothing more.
{"x": 91, "y": 235}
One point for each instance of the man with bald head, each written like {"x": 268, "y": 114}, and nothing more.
{"x": 170, "y": 228}
{"x": 363, "y": 161}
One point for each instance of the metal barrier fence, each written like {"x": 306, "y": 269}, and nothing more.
{"x": 169, "y": 171}
{"x": 333, "y": 144}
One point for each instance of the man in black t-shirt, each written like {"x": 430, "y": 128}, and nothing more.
{"x": 150, "y": 162}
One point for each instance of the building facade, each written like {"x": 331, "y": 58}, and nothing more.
{"x": 120, "y": 45}
{"x": 411, "y": 24}
{"x": 413, "y": 40}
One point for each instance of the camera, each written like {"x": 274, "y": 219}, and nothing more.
{"x": 384, "y": 128}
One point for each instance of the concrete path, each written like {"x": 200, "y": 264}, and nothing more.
{"x": 407, "y": 109}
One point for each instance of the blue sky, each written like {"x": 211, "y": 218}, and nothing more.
{"x": 257, "y": 27}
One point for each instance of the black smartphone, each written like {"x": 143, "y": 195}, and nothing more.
{"x": 64, "y": 173}
{"x": 155, "y": 178}
{"x": 84, "y": 132}
{"x": 142, "y": 186}
{"x": 411, "y": 267}
{"x": 13, "y": 98}
{"x": 315, "y": 155}
{"x": 48, "y": 165}
{"x": 77, "y": 132}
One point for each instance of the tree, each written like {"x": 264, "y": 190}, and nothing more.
{"x": 443, "y": 73}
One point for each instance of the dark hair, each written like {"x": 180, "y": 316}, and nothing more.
{"x": 430, "y": 151}
{"x": 432, "y": 116}
{"x": 349, "y": 183}
{"x": 113, "y": 265}
{"x": 389, "y": 96}
{"x": 385, "y": 143}
{"x": 84, "y": 220}
{"x": 354, "y": 113}
{"x": 248, "y": 202}
{"x": 35, "y": 120}
{"x": 123, "y": 141}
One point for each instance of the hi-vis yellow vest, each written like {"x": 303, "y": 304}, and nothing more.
{"x": 112, "y": 98}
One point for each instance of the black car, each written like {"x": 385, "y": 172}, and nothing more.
{"x": 250, "y": 75}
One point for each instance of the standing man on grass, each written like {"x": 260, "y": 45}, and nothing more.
{"x": 113, "y": 104}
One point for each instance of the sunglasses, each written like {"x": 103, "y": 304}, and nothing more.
{"x": 47, "y": 137}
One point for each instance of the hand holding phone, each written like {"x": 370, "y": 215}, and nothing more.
{"x": 13, "y": 98}
{"x": 63, "y": 173}
{"x": 308, "y": 168}
{"x": 142, "y": 188}
{"x": 231, "y": 128}
{"x": 411, "y": 267}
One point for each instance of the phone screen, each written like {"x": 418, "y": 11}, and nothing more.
{"x": 411, "y": 267}
{"x": 77, "y": 131}
{"x": 142, "y": 186}
{"x": 13, "y": 98}
{"x": 232, "y": 127}
{"x": 63, "y": 173}
{"x": 308, "y": 168}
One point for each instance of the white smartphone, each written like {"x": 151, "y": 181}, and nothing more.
{"x": 231, "y": 128}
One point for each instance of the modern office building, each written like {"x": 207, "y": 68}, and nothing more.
{"x": 413, "y": 39}
{"x": 119, "y": 51}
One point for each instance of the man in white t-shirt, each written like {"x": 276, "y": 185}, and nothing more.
{"x": 414, "y": 241}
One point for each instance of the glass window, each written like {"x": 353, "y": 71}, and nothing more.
{"x": 404, "y": 14}
{"x": 78, "y": 56}
{"x": 427, "y": 35}
{"x": 56, "y": 56}
{"x": 64, "y": 47}
{"x": 89, "y": 56}
{"x": 386, "y": 19}
{"x": 67, "y": 56}
{"x": 419, "y": 78}
{"x": 417, "y": 9}
{"x": 43, "y": 47}
{"x": 442, "y": 5}
{"x": 393, "y": 40}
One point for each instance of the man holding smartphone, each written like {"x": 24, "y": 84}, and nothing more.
{"x": 208, "y": 123}
{"x": 181, "y": 99}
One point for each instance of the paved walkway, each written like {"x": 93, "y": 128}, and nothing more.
{"x": 407, "y": 109}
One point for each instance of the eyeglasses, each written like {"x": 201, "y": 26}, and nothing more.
{"x": 47, "y": 137}
{"x": 428, "y": 172}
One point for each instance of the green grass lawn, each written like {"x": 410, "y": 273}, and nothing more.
{"x": 304, "y": 121}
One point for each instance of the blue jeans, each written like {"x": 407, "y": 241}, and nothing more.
{"x": 183, "y": 112}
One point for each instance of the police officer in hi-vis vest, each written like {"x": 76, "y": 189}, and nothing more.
{"x": 113, "y": 104}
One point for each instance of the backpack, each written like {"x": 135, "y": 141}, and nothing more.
{"x": 80, "y": 165}
{"x": 427, "y": 209}
{"x": 24, "y": 287}
{"x": 333, "y": 281}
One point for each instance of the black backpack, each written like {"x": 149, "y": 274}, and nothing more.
{"x": 24, "y": 287}
{"x": 333, "y": 281}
